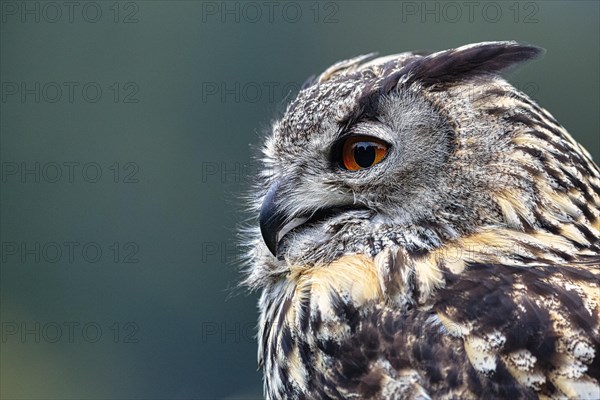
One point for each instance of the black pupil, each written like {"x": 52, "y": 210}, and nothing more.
{"x": 364, "y": 154}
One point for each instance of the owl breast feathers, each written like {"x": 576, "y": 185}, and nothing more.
{"x": 426, "y": 231}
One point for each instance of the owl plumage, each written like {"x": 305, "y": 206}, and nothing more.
{"x": 465, "y": 263}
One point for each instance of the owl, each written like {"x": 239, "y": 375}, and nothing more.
{"x": 426, "y": 230}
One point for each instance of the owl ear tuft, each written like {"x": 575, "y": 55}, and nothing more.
{"x": 468, "y": 61}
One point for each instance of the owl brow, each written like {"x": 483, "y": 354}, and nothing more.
{"x": 367, "y": 109}
{"x": 367, "y": 105}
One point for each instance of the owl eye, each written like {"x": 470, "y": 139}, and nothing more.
{"x": 360, "y": 152}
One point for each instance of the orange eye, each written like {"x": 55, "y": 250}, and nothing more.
{"x": 360, "y": 152}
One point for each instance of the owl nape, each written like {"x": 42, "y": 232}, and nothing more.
{"x": 426, "y": 230}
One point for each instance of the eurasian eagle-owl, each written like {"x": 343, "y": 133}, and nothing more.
{"x": 426, "y": 231}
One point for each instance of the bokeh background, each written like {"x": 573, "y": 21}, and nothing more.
{"x": 125, "y": 147}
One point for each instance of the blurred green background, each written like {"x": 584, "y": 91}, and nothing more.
{"x": 125, "y": 133}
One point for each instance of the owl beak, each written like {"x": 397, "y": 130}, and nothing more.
{"x": 275, "y": 222}
{"x": 271, "y": 219}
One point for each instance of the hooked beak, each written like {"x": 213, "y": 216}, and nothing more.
{"x": 275, "y": 223}
{"x": 271, "y": 219}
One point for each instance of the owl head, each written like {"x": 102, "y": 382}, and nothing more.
{"x": 408, "y": 150}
